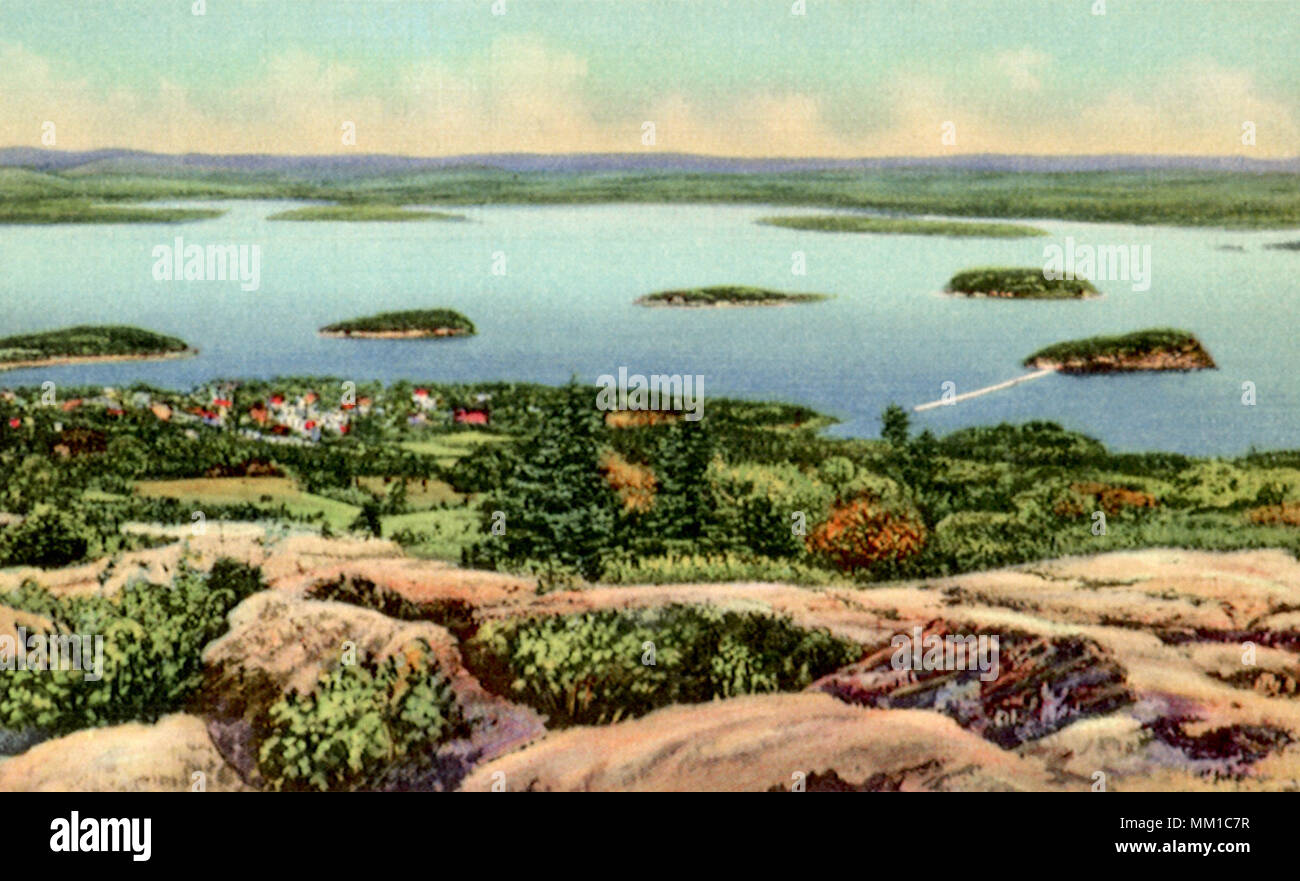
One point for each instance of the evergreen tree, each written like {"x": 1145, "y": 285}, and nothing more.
{"x": 685, "y": 507}
{"x": 556, "y": 504}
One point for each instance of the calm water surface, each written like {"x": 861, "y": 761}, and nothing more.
{"x": 564, "y": 307}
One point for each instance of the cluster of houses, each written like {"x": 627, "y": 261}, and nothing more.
{"x": 278, "y": 418}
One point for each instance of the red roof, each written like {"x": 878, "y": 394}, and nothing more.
{"x": 472, "y": 417}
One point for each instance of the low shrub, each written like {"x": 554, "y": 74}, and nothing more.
{"x": 713, "y": 567}
{"x": 153, "y": 638}
{"x": 360, "y": 723}
{"x": 599, "y": 667}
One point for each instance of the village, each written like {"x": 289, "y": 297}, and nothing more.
{"x": 278, "y": 417}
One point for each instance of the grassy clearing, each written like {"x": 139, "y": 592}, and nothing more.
{"x": 439, "y": 534}
{"x": 420, "y": 494}
{"x": 848, "y": 223}
{"x": 448, "y": 448}
{"x": 362, "y": 212}
{"x": 268, "y": 491}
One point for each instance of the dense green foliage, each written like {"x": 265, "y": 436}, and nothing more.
{"x": 726, "y": 295}
{"x": 599, "y": 667}
{"x": 1023, "y": 283}
{"x": 1188, "y": 198}
{"x": 857, "y": 223}
{"x": 360, "y": 723}
{"x": 554, "y": 506}
{"x": 153, "y": 637}
{"x": 356, "y": 212}
{"x": 556, "y": 491}
{"x": 87, "y": 340}
{"x": 425, "y": 320}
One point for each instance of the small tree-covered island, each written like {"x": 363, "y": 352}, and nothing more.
{"x": 361, "y": 212}
{"x": 410, "y": 324}
{"x": 727, "y": 295}
{"x": 910, "y": 226}
{"x": 1018, "y": 283}
{"x": 1155, "y": 349}
{"x": 86, "y": 343}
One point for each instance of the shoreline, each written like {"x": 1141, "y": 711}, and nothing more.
{"x": 63, "y": 360}
{"x": 1003, "y": 295}
{"x": 437, "y": 333}
{"x": 664, "y": 304}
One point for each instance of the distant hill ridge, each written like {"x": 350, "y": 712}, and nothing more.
{"x": 364, "y": 164}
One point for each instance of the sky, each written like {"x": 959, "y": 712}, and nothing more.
{"x": 752, "y": 78}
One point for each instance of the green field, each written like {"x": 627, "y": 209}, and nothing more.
{"x": 268, "y": 491}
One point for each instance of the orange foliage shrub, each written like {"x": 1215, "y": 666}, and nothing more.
{"x": 637, "y": 418}
{"x": 635, "y": 484}
{"x": 1274, "y": 515}
{"x": 858, "y": 535}
{"x": 1109, "y": 498}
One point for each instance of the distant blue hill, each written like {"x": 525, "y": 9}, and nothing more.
{"x": 368, "y": 164}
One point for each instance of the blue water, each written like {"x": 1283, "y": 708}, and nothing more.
{"x": 564, "y": 307}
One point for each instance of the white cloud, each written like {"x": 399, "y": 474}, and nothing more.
{"x": 522, "y": 94}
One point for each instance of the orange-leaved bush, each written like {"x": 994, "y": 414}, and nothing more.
{"x": 861, "y": 533}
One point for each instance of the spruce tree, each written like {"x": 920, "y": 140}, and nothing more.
{"x": 557, "y": 506}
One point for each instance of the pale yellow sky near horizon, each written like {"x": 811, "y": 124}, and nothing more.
{"x": 522, "y": 93}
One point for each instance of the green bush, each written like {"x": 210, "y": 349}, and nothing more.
{"x": 972, "y": 540}
{"x": 153, "y": 639}
{"x": 713, "y": 567}
{"x": 756, "y": 504}
{"x": 593, "y": 668}
{"x": 361, "y": 722}
{"x": 46, "y": 537}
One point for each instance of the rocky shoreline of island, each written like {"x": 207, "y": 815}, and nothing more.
{"x": 1145, "y": 350}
